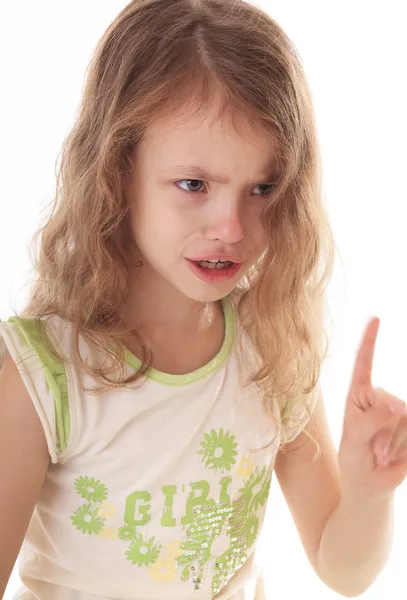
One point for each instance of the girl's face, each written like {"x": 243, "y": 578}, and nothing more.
{"x": 197, "y": 192}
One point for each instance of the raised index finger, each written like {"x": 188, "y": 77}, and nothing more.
{"x": 362, "y": 374}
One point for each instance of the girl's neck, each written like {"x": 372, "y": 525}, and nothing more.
{"x": 155, "y": 303}
{"x": 183, "y": 334}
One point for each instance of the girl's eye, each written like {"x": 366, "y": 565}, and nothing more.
{"x": 194, "y": 183}
{"x": 267, "y": 186}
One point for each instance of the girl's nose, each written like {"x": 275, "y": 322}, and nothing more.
{"x": 226, "y": 224}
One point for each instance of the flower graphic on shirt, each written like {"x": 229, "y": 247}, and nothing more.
{"x": 252, "y": 529}
{"x": 234, "y": 555}
{"x": 263, "y": 495}
{"x": 218, "y": 539}
{"x": 107, "y": 510}
{"x": 218, "y": 450}
{"x": 173, "y": 548}
{"x": 143, "y": 551}
{"x": 225, "y": 567}
{"x": 127, "y": 533}
{"x": 91, "y": 489}
{"x": 207, "y": 525}
{"x": 109, "y": 533}
{"x": 245, "y": 467}
{"x": 88, "y": 520}
{"x": 255, "y": 489}
{"x": 165, "y": 570}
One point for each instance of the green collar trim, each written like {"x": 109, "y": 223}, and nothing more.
{"x": 212, "y": 365}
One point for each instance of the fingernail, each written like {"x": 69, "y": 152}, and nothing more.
{"x": 383, "y": 459}
{"x": 396, "y": 406}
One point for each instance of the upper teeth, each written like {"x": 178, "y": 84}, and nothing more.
{"x": 217, "y": 264}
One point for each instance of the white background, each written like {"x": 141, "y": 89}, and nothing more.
{"x": 354, "y": 53}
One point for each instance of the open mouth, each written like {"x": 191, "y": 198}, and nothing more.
{"x": 215, "y": 264}
{"x": 212, "y": 271}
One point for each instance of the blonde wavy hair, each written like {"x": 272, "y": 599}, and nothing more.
{"x": 157, "y": 55}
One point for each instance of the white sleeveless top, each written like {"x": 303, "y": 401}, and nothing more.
{"x": 153, "y": 492}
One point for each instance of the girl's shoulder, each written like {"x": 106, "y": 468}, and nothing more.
{"x": 31, "y": 342}
{"x": 39, "y": 335}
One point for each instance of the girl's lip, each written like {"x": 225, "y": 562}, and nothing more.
{"x": 223, "y": 258}
{"x": 214, "y": 275}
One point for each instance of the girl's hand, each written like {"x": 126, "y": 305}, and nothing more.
{"x": 373, "y": 450}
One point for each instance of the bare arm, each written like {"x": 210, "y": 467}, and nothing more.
{"x": 310, "y": 486}
{"x": 24, "y": 461}
{"x": 347, "y": 543}
{"x": 356, "y": 543}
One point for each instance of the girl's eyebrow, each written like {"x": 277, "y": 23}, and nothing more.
{"x": 198, "y": 172}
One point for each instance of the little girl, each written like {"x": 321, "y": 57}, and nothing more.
{"x": 183, "y": 268}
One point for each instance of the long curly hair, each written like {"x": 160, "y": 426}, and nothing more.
{"x": 157, "y": 55}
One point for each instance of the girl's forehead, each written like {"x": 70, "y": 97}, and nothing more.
{"x": 206, "y": 155}
{"x": 182, "y": 126}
